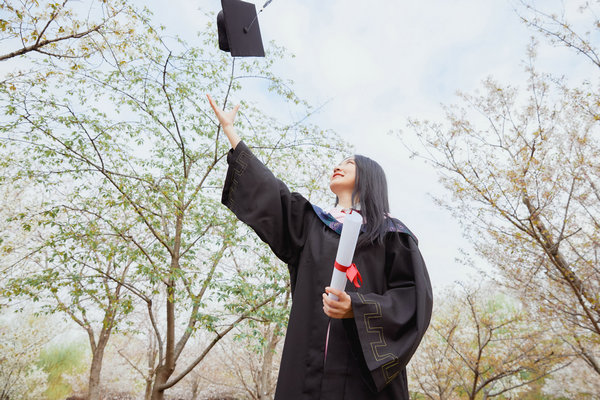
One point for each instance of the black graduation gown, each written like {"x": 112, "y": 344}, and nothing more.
{"x": 366, "y": 355}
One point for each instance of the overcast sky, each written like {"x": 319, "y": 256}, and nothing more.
{"x": 377, "y": 63}
{"x": 374, "y": 64}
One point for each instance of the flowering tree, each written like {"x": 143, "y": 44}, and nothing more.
{"x": 64, "y": 29}
{"x": 482, "y": 345}
{"x": 573, "y": 26}
{"x": 21, "y": 341}
{"x": 524, "y": 173}
{"x": 129, "y": 150}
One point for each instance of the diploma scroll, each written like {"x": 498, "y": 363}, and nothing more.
{"x": 345, "y": 252}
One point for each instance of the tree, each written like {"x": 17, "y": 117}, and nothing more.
{"x": 139, "y": 353}
{"x": 69, "y": 258}
{"x": 523, "y": 166}
{"x": 524, "y": 173}
{"x": 556, "y": 26}
{"x": 433, "y": 374}
{"x": 15, "y": 236}
{"x": 21, "y": 341}
{"x": 572, "y": 383}
{"x": 255, "y": 367}
{"x": 61, "y": 30}
{"x": 133, "y": 130}
{"x": 74, "y": 265}
{"x": 482, "y": 345}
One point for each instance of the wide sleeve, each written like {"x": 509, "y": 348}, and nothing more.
{"x": 387, "y": 328}
{"x": 265, "y": 203}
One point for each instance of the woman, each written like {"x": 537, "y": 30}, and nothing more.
{"x": 358, "y": 346}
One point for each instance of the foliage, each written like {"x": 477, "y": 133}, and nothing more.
{"x": 575, "y": 26}
{"x": 127, "y": 146}
{"x": 482, "y": 343}
{"x": 571, "y": 383}
{"x": 64, "y": 29}
{"x": 21, "y": 340}
{"x": 523, "y": 170}
{"x": 255, "y": 366}
{"x": 16, "y": 237}
{"x": 57, "y": 361}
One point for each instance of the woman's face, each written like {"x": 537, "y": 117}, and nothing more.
{"x": 343, "y": 177}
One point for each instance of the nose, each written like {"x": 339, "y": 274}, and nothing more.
{"x": 336, "y": 168}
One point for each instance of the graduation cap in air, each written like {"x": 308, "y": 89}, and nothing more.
{"x": 239, "y": 32}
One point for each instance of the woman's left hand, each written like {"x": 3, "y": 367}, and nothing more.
{"x": 338, "y": 309}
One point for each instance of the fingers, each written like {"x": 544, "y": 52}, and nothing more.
{"x": 218, "y": 112}
{"x": 217, "y": 109}
{"x": 328, "y": 309}
{"x": 341, "y": 304}
{"x": 223, "y": 117}
{"x": 212, "y": 103}
{"x": 334, "y": 312}
{"x": 341, "y": 308}
{"x": 338, "y": 293}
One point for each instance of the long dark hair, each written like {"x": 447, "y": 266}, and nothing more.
{"x": 370, "y": 190}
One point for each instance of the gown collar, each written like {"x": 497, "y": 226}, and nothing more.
{"x": 340, "y": 213}
{"x": 328, "y": 219}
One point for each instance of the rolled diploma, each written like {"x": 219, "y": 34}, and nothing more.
{"x": 345, "y": 252}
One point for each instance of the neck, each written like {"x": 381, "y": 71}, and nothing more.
{"x": 345, "y": 200}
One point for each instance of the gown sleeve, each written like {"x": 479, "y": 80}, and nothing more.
{"x": 387, "y": 328}
{"x": 265, "y": 203}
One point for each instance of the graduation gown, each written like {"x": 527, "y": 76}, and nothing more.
{"x": 366, "y": 355}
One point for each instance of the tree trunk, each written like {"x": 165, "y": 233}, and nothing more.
{"x": 96, "y": 368}
{"x": 162, "y": 375}
{"x": 166, "y": 368}
{"x": 152, "y": 353}
{"x": 264, "y": 384}
{"x": 148, "y": 393}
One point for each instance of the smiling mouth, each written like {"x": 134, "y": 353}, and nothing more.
{"x": 334, "y": 175}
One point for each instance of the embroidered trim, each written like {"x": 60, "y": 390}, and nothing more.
{"x": 388, "y": 373}
{"x": 241, "y": 161}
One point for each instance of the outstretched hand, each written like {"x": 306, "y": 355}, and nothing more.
{"x": 226, "y": 119}
{"x": 338, "y": 309}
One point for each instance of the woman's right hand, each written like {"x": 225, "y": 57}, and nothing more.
{"x": 226, "y": 120}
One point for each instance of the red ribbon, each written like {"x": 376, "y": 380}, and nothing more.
{"x": 351, "y": 273}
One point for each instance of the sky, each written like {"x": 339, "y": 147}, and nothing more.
{"x": 373, "y": 65}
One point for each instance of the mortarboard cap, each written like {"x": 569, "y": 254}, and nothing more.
{"x": 238, "y": 28}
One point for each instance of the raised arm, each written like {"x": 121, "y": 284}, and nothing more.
{"x": 258, "y": 198}
{"x": 226, "y": 119}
